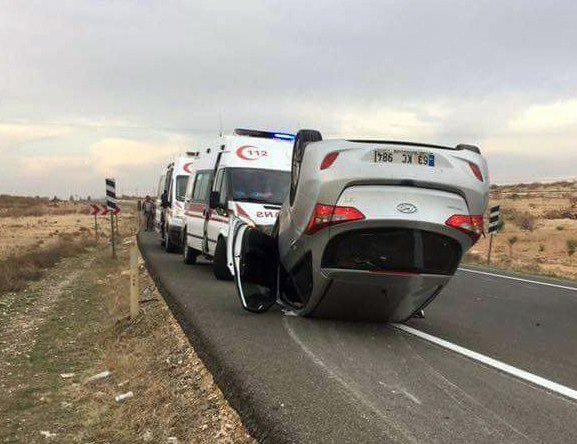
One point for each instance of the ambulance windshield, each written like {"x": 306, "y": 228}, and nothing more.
{"x": 257, "y": 185}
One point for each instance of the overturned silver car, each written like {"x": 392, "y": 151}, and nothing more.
{"x": 371, "y": 229}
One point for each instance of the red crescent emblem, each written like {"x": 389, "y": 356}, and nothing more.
{"x": 249, "y": 152}
{"x": 187, "y": 166}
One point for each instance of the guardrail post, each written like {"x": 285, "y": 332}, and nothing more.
{"x": 138, "y": 215}
{"x": 112, "y": 236}
{"x": 96, "y": 226}
{"x": 134, "y": 290}
{"x": 490, "y": 248}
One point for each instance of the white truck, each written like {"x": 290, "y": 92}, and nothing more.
{"x": 246, "y": 174}
{"x": 169, "y": 217}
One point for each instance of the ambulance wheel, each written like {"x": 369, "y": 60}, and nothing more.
{"x": 188, "y": 254}
{"x": 169, "y": 245}
{"x": 219, "y": 267}
{"x": 162, "y": 237}
{"x": 302, "y": 139}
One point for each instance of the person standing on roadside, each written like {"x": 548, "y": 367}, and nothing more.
{"x": 148, "y": 210}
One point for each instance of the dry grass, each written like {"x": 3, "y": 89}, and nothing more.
{"x": 30, "y": 224}
{"x": 17, "y": 271}
{"x": 543, "y": 219}
{"x": 175, "y": 395}
{"x": 31, "y": 244}
{"x": 22, "y": 206}
{"x": 74, "y": 320}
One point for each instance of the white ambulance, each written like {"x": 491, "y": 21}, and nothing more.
{"x": 169, "y": 220}
{"x": 246, "y": 174}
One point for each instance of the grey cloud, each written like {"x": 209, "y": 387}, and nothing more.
{"x": 197, "y": 58}
{"x": 175, "y": 65}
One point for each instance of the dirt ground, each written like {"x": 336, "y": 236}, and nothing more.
{"x": 37, "y": 223}
{"x": 22, "y": 233}
{"x": 540, "y": 225}
{"x": 73, "y": 324}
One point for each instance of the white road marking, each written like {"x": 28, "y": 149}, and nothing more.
{"x": 518, "y": 373}
{"x": 548, "y": 284}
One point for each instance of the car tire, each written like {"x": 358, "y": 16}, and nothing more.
{"x": 302, "y": 139}
{"x": 188, "y": 254}
{"x": 219, "y": 266}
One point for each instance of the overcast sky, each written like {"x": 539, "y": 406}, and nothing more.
{"x": 90, "y": 89}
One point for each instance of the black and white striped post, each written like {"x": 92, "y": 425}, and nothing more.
{"x": 494, "y": 225}
{"x": 111, "y": 205}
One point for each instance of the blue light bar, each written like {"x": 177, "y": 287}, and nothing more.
{"x": 263, "y": 134}
{"x": 284, "y": 136}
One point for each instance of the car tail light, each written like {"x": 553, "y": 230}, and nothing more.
{"x": 329, "y": 160}
{"x": 471, "y": 225}
{"x": 476, "y": 170}
{"x": 325, "y": 215}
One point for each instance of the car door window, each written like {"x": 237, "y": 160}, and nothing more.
{"x": 255, "y": 263}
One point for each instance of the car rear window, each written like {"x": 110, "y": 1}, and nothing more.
{"x": 393, "y": 249}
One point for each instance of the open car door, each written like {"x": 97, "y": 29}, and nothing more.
{"x": 254, "y": 259}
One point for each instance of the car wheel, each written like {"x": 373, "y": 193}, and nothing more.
{"x": 219, "y": 267}
{"x": 188, "y": 254}
{"x": 302, "y": 139}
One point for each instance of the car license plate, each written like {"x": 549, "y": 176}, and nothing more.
{"x": 404, "y": 157}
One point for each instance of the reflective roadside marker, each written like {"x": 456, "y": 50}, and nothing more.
{"x": 494, "y": 225}
{"x": 494, "y": 219}
{"x": 111, "y": 194}
{"x": 112, "y": 210}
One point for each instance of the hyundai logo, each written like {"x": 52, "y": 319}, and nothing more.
{"x": 406, "y": 207}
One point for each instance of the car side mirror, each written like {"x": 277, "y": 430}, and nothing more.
{"x": 214, "y": 199}
{"x": 164, "y": 201}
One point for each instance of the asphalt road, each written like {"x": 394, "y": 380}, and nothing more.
{"x": 304, "y": 380}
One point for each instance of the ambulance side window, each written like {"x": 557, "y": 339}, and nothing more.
{"x": 201, "y": 184}
{"x": 160, "y": 187}
{"x": 223, "y": 190}
{"x": 168, "y": 187}
{"x": 189, "y": 187}
{"x": 217, "y": 181}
